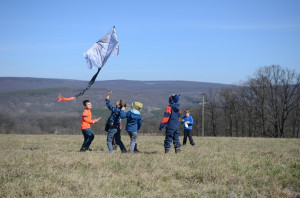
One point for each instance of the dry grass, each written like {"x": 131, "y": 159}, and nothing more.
{"x": 51, "y": 166}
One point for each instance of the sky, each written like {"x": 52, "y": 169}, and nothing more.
{"x": 214, "y": 41}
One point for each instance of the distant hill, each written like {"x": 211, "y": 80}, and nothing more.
{"x": 29, "y": 105}
{"x": 39, "y": 95}
{"x": 8, "y": 84}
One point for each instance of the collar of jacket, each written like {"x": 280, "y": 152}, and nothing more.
{"x": 135, "y": 111}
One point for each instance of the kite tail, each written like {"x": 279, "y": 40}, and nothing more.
{"x": 60, "y": 98}
{"x": 90, "y": 84}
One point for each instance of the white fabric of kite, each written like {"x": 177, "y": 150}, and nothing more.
{"x": 97, "y": 56}
{"x": 107, "y": 46}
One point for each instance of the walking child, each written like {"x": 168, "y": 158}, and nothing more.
{"x": 188, "y": 122}
{"x": 114, "y": 122}
{"x": 134, "y": 123}
{"x": 86, "y": 122}
{"x": 171, "y": 120}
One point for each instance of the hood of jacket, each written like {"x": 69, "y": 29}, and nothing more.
{"x": 135, "y": 111}
{"x": 175, "y": 107}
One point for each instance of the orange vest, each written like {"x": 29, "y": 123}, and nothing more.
{"x": 86, "y": 120}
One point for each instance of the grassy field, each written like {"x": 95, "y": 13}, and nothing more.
{"x": 51, "y": 166}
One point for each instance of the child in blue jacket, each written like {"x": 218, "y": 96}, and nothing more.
{"x": 114, "y": 122}
{"x": 188, "y": 122}
{"x": 172, "y": 121}
{"x": 134, "y": 123}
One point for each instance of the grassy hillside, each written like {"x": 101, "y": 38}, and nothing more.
{"x": 51, "y": 166}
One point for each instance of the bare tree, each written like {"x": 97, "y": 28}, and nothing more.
{"x": 277, "y": 90}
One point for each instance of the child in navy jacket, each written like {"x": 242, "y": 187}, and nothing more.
{"x": 172, "y": 121}
{"x": 188, "y": 122}
{"x": 134, "y": 123}
{"x": 114, "y": 122}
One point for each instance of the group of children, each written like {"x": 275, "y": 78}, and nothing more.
{"x": 171, "y": 121}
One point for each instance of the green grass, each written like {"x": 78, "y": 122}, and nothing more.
{"x": 51, "y": 166}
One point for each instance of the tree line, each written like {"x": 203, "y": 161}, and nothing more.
{"x": 266, "y": 105}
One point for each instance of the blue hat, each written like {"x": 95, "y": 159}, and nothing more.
{"x": 173, "y": 99}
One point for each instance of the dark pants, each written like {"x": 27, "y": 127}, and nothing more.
{"x": 114, "y": 132}
{"x": 88, "y": 136}
{"x": 172, "y": 135}
{"x": 188, "y": 133}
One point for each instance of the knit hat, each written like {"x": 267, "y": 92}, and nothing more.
{"x": 173, "y": 99}
{"x": 137, "y": 105}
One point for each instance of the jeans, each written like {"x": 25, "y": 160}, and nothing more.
{"x": 133, "y": 137}
{"x": 188, "y": 133}
{"x": 172, "y": 135}
{"x": 114, "y": 131}
{"x": 88, "y": 138}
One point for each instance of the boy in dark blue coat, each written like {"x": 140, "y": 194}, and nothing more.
{"x": 172, "y": 121}
{"x": 134, "y": 123}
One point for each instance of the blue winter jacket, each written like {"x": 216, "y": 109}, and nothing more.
{"x": 134, "y": 120}
{"x": 114, "y": 117}
{"x": 171, "y": 118}
{"x": 190, "y": 119}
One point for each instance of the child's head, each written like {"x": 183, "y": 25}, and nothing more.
{"x": 87, "y": 104}
{"x": 174, "y": 98}
{"x": 187, "y": 112}
{"x": 137, "y": 105}
{"x": 121, "y": 104}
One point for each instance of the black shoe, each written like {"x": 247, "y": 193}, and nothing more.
{"x": 82, "y": 150}
{"x": 167, "y": 150}
{"x": 88, "y": 149}
{"x": 135, "y": 149}
{"x": 177, "y": 150}
{"x": 124, "y": 151}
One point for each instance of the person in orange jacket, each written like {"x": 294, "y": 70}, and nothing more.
{"x": 86, "y": 122}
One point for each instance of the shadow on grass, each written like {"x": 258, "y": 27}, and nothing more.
{"x": 148, "y": 153}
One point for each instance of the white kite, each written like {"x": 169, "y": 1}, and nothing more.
{"x": 97, "y": 56}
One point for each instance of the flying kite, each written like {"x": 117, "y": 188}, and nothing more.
{"x": 97, "y": 56}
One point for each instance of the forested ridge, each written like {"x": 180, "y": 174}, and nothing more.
{"x": 264, "y": 105}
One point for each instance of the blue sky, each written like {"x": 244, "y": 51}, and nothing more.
{"x": 195, "y": 40}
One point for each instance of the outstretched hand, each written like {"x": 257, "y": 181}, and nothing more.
{"x": 108, "y": 94}
{"x": 97, "y": 119}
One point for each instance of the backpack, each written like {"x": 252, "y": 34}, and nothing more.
{"x": 107, "y": 124}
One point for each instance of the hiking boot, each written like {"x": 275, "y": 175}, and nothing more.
{"x": 124, "y": 151}
{"x": 88, "y": 149}
{"x": 82, "y": 150}
{"x": 167, "y": 150}
{"x": 135, "y": 149}
{"x": 177, "y": 150}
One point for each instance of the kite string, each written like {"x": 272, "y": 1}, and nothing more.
{"x": 90, "y": 83}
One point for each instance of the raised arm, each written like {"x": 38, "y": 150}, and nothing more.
{"x": 123, "y": 114}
